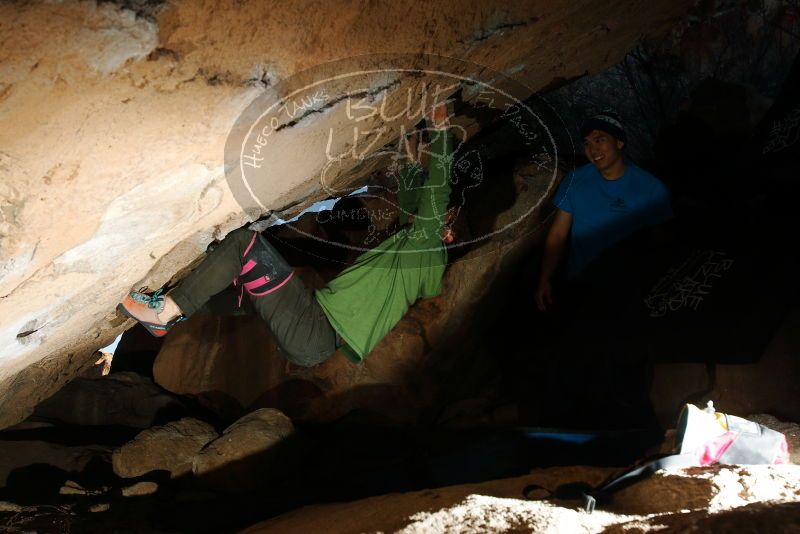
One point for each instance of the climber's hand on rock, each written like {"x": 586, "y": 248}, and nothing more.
{"x": 412, "y": 145}
{"x": 439, "y": 117}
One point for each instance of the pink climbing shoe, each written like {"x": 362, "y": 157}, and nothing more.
{"x": 145, "y": 309}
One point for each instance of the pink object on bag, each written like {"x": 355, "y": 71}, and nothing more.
{"x": 712, "y": 450}
{"x": 782, "y": 457}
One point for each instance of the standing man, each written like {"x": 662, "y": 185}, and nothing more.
{"x": 599, "y": 204}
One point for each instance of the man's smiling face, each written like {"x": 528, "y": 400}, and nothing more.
{"x": 602, "y": 149}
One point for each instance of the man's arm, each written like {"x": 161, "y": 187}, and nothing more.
{"x": 554, "y": 246}
{"x": 435, "y": 194}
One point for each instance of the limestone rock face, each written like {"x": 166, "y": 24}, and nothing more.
{"x": 232, "y": 364}
{"x": 115, "y": 125}
{"x": 250, "y": 451}
{"x": 170, "y": 447}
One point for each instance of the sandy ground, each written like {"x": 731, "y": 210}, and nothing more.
{"x": 755, "y": 498}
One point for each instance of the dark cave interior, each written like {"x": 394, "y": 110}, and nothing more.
{"x": 580, "y": 384}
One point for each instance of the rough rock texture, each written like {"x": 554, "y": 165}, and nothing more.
{"x": 710, "y": 498}
{"x": 139, "y": 489}
{"x": 170, "y": 447}
{"x": 231, "y": 364}
{"x": 18, "y": 456}
{"x": 248, "y": 452}
{"x": 125, "y": 398}
{"x": 770, "y": 386}
{"x": 112, "y": 150}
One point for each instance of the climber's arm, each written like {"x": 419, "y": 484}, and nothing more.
{"x": 435, "y": 193}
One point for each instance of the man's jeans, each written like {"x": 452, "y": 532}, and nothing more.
{"x": 300, "y": 327}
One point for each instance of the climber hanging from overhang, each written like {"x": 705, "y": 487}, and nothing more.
{"x": 358, "y": 307}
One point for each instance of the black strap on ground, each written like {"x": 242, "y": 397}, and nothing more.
{"x": 635, "y": 475}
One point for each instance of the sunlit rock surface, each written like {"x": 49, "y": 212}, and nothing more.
{"x": 260, "y": 442}
{"x": 170, "y": 447}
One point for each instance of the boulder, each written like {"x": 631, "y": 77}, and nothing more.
{"x": 100, "y": 507}
{"x": 11, "y": 507}
{"x": 170, "y": 447}
{"x": 126, "y": 399}
{"x": 71, "y": 487}
{"x": 140, "y": 489}
{"x": 251, "y": 451}
{"x": 16, "y": 456}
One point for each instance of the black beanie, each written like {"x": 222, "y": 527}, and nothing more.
{"x": 605, "y": 121}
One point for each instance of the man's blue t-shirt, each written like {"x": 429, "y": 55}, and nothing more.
{"x": 606, "y": 211}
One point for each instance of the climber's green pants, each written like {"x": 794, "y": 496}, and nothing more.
{"x": 300, "y": 327}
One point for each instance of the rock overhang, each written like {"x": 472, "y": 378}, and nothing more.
{"x": 141, "y": 103}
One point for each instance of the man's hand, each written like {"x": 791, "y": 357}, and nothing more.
{"x": 544, "y": 295}
{"x": 438, "y": 117}
{"x": 412, "y": 147}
